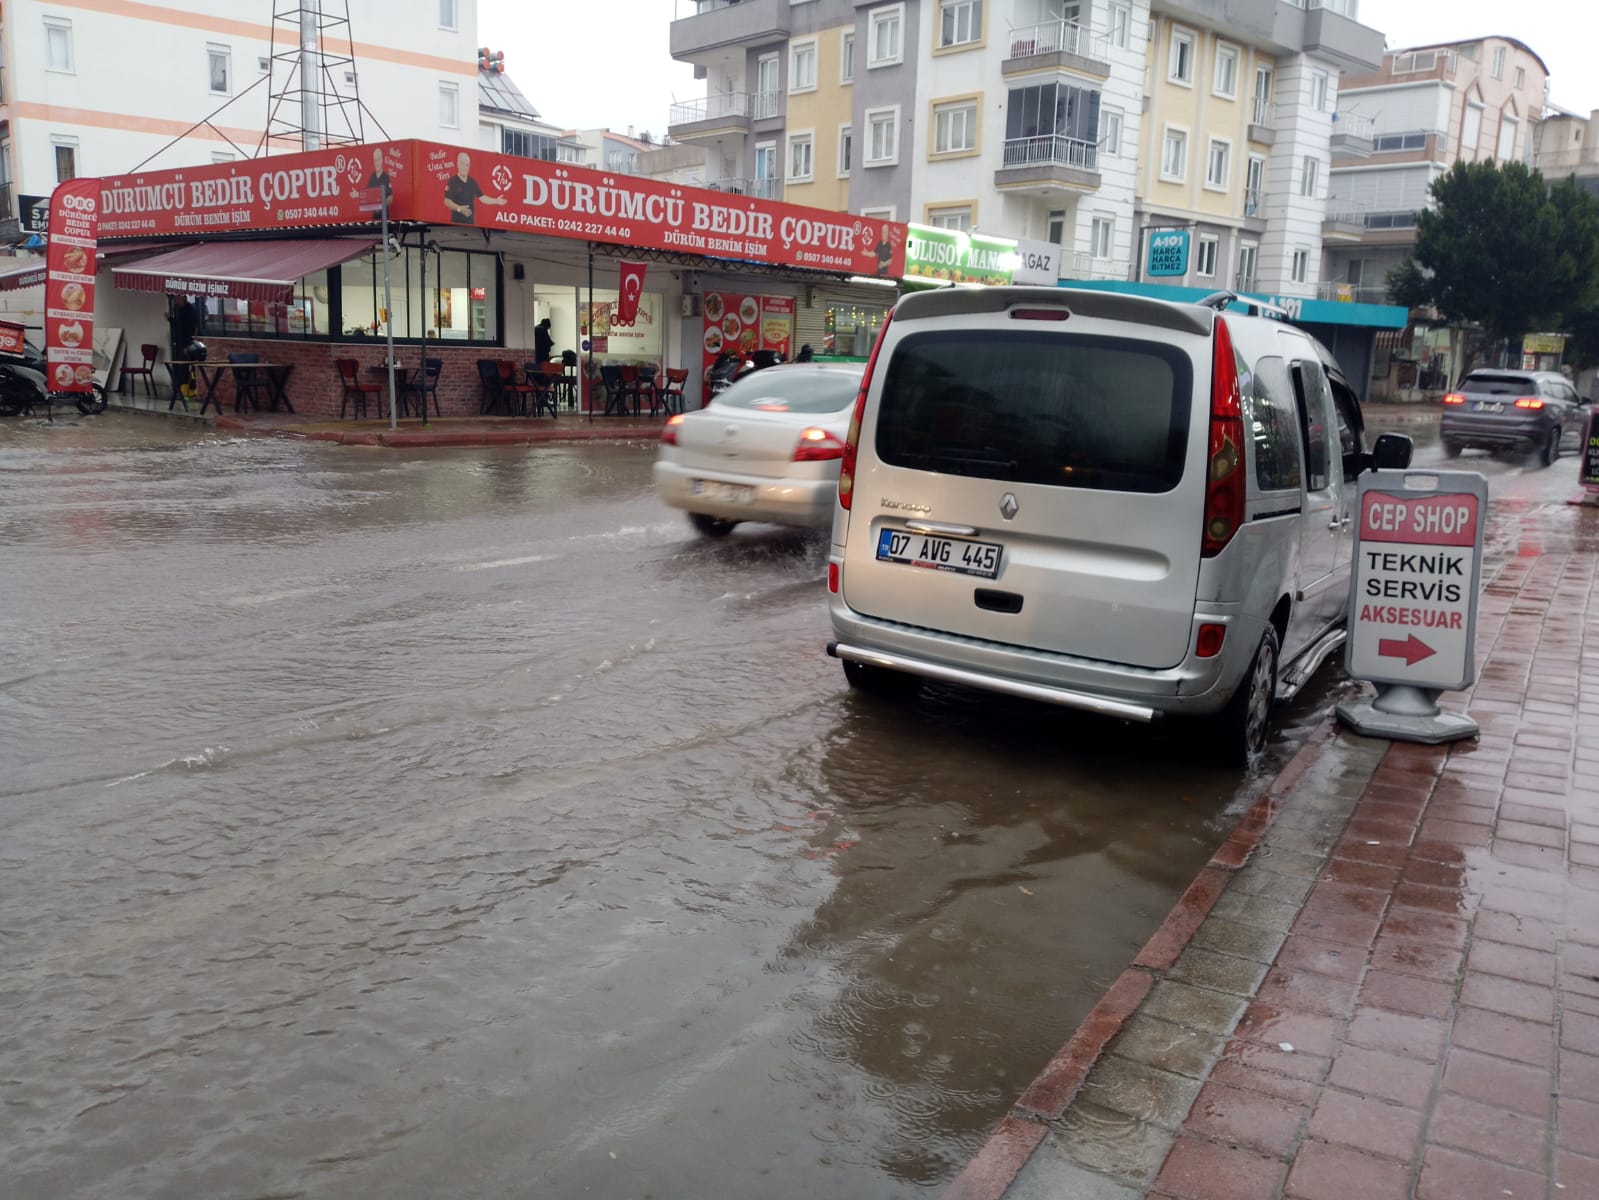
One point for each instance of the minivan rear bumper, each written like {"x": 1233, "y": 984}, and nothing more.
{"x": 1194, "y": 686}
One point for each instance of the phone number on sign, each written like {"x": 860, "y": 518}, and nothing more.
{"x": 308, "y": 214}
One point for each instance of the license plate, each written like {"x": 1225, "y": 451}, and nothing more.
{"x": 939, "y": 553}
{"x": 727, "y": 493}
{"x": 1489, "y": 406}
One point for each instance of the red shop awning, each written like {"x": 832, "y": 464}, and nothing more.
{"x": 264, "y": 270}
{"x": 21, "y": 277}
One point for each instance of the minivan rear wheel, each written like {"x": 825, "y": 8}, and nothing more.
{"x": 1243, "y": 724}
{"x": 1551, "y": 447}
{"x": 711, "y": 526}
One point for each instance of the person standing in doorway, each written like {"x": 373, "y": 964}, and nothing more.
{"x": 543, "y": 342}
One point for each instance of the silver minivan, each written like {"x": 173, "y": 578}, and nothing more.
{"x": 1102, "y": 501}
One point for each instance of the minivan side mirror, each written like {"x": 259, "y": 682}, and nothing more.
{"x": 1392, "y": 452}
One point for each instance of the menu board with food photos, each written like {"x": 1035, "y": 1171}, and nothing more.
{"x": 1588, "y": 471}
{"x": 742, "y": 324}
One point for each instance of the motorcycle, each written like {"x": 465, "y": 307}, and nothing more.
{"x": 23, "y": 388}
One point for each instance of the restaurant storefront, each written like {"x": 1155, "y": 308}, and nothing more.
{"x": 281, "y": 259}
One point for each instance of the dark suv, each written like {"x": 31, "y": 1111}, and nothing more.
{"x": 1529, "y": 411}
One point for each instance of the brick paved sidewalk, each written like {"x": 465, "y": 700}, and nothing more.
{"x": 1386, "y": 984}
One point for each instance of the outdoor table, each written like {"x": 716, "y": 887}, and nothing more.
{"x": 207, "y": 375}
{"x": 401, "y": 374}
{"x": 276, "y": 376}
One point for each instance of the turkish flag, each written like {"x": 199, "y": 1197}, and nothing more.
{"x": 631, "y": 288}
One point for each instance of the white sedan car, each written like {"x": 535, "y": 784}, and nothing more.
{"x": 766, "y": 449}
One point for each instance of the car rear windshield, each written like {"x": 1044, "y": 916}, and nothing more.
{"x": 800, "y": 391}
{"x": 1048, "y": 408}
{"x": 1500, "y": 385}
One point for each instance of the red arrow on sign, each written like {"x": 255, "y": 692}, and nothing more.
{"x": 1412, "y": 649}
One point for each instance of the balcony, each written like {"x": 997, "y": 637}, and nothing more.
{"x": 1064, "y": 45}
{"x": 721, "y": 25}
{"x": 1049, "y": 162}
{"x": 1263, "y": 124}
{"x": 1352, "y": 135}
{"x": 724, "y": 115}
{"x": 1255, "y": 210}
{"x": 765, "y": 189}
{"x": 1352, "y": 293}
{"x": 1343, "y": 223}
{"x": 1331, "y": 34}
{"x": 1085, "y": 266}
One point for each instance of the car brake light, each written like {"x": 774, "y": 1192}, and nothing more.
{"x": 817, "y": 445}
{"x": 846, "y": 470}
{"x": 1039, "y": 314}
{"x": 833, "y": 577}
{"x": 669, "y": 432}
{"x": 1209, "y": 642}
{"x": 1454, "y": 398}
{"x": 1529, "y": 402}
{"x": 1224, "y": 480}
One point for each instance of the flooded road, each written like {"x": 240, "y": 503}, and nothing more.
{"x": 459, "y": 824}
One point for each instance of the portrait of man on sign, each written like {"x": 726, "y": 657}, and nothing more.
{"x": 462, "y": 193}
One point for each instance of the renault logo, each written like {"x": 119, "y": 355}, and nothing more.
{"x": 1008, "y": 508}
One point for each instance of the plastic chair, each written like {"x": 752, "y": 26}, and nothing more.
{"x": 569, "y": 373}
{"x": 615, "y": 396}
{"x": 515, "y": 392}
{"x": 250, "y": 386}
{"x": 355, "y": 392}
{"x": 563, "y": 386}
{"x": 671, "y": 392}
{"x": 630, "y": 388}
{"x": 151, "y": 352}
{"x": 488, "y": 375}
{"x": 427, "y": 384}
{"x": 644, "y": 387}
{"x": 541, "y": 392}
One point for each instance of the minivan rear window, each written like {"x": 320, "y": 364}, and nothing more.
{"x": 1059, "y": 409}
{"x": 1500, "y": 385}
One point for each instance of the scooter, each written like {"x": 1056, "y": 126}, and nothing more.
{"x": 22, "y": 386}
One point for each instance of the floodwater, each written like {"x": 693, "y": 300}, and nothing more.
{"x": 459, "y": 824}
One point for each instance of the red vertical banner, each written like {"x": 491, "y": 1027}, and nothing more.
{"x": 630, "y": 289}
{"x": 69, "y": 285}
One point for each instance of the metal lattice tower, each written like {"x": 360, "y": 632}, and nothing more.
{"x": 314, "y": 98}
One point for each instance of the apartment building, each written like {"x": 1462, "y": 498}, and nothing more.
{"x": 90, "y": 88}
{"x": 1427, "y": 107}
{"x": 1094, "y": 125}
{"x": 509, "y": 124}
{"x": 1568, "y": 145}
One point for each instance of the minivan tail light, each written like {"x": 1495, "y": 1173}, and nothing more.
{"x": 1039, "y": 314}
{"x": 669, "y": 430}
{"x": 817, "y": 445}
{"x": 1210, "y": 640}
{"x": 1529, "y": 402}
{"x": 852, "y": 441}
{"x": 1224, "y": 477}
{"x": 1454, "y": 398}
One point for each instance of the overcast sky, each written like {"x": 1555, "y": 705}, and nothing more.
{"x": 588, "y": 65}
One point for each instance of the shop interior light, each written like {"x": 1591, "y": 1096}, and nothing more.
{"x": 873, "y": 279}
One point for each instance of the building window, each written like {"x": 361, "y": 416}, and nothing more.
{"x": 1507, "y": 139}
{"x": 882, "y": 137}
{"x": 1110, "y": 131}
{"x": 1309, "y": 173}
{"x": 1103, "y": 236}
{"x": 846, "y": 147}
{"x": 1387, "y": 142}
{"x": 446, "y": 14}
{"x": 959, "y": 22}
{"x": 1318, "y": 90}
{"x": 951, "y": 218}
{"x": 1497, "y": 70}
{"x": 1520, "y": 78}
{"x": 1218, "y": 164}
{"x": 800, "y": 168}
{"x": 1180, "y": 64}
{"x": 1205, "y": 258}
{"x": 221, "y": 156}
{"x": 767, "y": 100}
{"x": 1052, "y": 122}
{"x": 1255, "y": 186}
{"x": 802, "y": 66}
{"x": 449, "y": 105}
{"x": 1055, "y": 228}
{"x": 66, "y": 154}
{"x": 1119, "y": 24}
{"x": 219, "y": 69}
{"x": 1262, "y": 113}
{"x": 1174, "y": 156}
{"x": 1471, "y": 131}
{"x": 570, "y": 154}
{"x": 58, "y": 45}
{"x": 1301, "y": 265}
{"x": 846, "y": 57}
{"x": 524, "y": 144}
{"x": 885, "y": 42}
{"x": 880, "y": 214}
{"x": 1248, "y": 252}
{"x": 766, "y": 170}
{"x": 1226, "y": 79}
{"x": 955, "y": 127}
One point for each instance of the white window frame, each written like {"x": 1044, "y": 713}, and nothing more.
{"x": 1110, "y": 130}
{"x": 213, "y": 52}
{"x": 1251, "y": 251}
{"x": 1211, "y": 183}
{"x": 759, "y": 182}
{"x": 1519, "y": 78}
{"x": 950, "y": 108}
{"x": 1469, "y": 143}
{"x": 882, "y": 16}
{"x": 1226, "y": 52}
{"x": 1165, "y": 143}
{"x": 801, "y": 138}
{"x": 796, "y": 49}
{"x": 891, "y": 213}
{"x": 1260, "y": 189}
{"x": 846, "y": 149}
{"x": 1180, "y": 37}
{"x": 1058, "y": 217}
{"x": 1497, "y": 69}
{"x": 1299, "y": 271}
{"x": 1309, "y": 175}
{"x": 1512, "y": 125}
{"x": 975, "y": 14}
{"x": 1102, "y": 236}
{"x": 64, "y": 27}
{"x": 871, "y": 117}
{"x": 938, "y": 216}
{"x": 1319, "y": 90}
{"x": 1212, "y": 244}
{"x": 65, "y": 141}
{"x": 449, "y": 14}
{"x": 846, "y": 57}
{"x": 1119, "y": 24}
{"x": 1260, "y": 105}
{"x": 221, "y": 156}
{"x": 453, "y": 93}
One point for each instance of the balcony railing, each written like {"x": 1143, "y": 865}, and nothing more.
{"x": 766, "y": 189}
{"x": 1243, "y": 282}
{"x": 1343, "y": 213}
{"x": 1086, "y": 266}
{"x": 711, "y": 108}
{"x": 1352, "y": 293}
{"x": 733, "y": 187}
{"x": 1051, "y": 150}
{"x": 1254, "y": 203}
{"x": 1413, "y": 62}
{"x": 1355, "y": 125}
{"x": 766, "y": 104}
{"x": 1055, "y": 37}
{"x": 1263, "y": 112}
